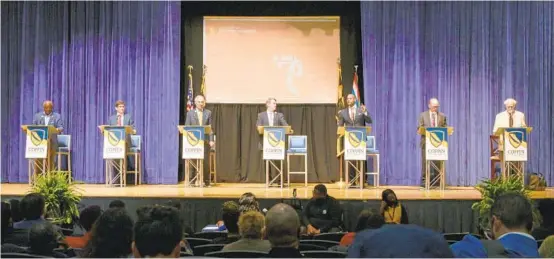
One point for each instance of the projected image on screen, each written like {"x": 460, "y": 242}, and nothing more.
{"x": 293, "y": 59}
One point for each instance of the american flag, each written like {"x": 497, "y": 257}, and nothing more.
{"x": 190, "y": 95}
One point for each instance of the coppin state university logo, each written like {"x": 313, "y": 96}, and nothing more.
{"x": 516, "y": 139}
{"x": 355, "y": 138}
{"x": 274, "y": 138}
{"x": 37, "y": 136}
{"x": 114, "y": 137}
{"x": 193, "y": 137}
{"x": 436, "y": 138}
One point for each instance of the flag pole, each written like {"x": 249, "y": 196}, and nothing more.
{"x": 340, "y": 105}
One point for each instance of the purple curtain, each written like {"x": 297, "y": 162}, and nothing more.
{"x": 84, "y": 56}
{"x": 471, "y": 56}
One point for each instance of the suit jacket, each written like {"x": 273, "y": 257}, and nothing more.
{"x": 248, "y": 244}
{"x": 360, "y": 119}
{"x": 278, "y": 119}
{"x": 55, "y": 120}
{"x": 425, "y": 121}
{"x": 503, "y": 120}
{"x": 127, "y": 120}
{"x": 192, "y": 120}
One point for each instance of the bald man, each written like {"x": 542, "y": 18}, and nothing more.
{"x": 48, "y": 117}
{"x": 282, "y": 229}
{"x": 352, "y": 116}
{"x": 430, "y": 118}
{"x": 202, "y": 117}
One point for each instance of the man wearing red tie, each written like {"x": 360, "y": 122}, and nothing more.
{"x": 120, "y": 118}
{"x": 430, "y": 118}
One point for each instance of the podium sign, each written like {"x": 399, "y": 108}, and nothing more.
{"x": 37, "y": 142}
{"x": 515, "y": 144}
{"x": 193, "y": 142}
{"x": 274, "y": 143}
{"x": 436, "y": 144}
{"x": 114, "y": 143}
{"x": 355, "y": 143}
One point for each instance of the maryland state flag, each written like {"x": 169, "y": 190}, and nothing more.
{"x": 340, "y": 104}
{"x": 190, "y": 92}
{"x": 203, "y": 84}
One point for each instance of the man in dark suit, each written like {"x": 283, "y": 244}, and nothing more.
{"x": 430, "y": 118}
{"x": 270, "y": 118}
{"x": 45, "y": 118}
{"x": 202, "y": 117}
{"x": 120, "y": 118}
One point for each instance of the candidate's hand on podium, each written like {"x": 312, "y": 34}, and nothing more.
{"x": 212, "y": 144}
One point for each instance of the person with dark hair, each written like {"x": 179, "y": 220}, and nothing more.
{"x": 511, "y": 222}
{"x": 546, "y": 229}
{"x": 368, "y": 219}
{"x": 117, "y": 204}
{"x": 322, "y": 213}
{"x": 248, "y": 202}
{"x": 6, "y": 220}
{"x": 32, "y": 211}
{"x": 111, "y": 235}
{"x": 251, "y": 229}
{"x": 16, "y": 211}
{"x": 43, "y": 239}
{"x": 230, "y": 219}
{"x": 283, "y": 231}
{"x": 87, "y": 218}
{"x": 158, "y": 232}
{"x": 393, "y": 212}
{"x": 187, "y": 229}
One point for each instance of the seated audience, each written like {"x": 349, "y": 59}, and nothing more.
{"x": 546, "y": 208}
{"x": 158, "y": 233}
{"x": 117, "y": 204}
{"x": 547, "y": 248}
{"x": 511, "y": 221}
{"x": 187, "y": 229}
{"x": 87, "y": 218}
{"x": 392, "y": 210}
{"x": 251, "y": 229}
{"x": 399, "y": 241}
{"x": 43, "y": 239}
{"x": 282, "y": 229}
{"x": 323, "y": 213}
{"x": 32, "y": 211}
{"x": 368, "y": 219}
{"x": 230, "y": 219}
{"x": 6, "y": 221}
{"x": 247, "y": 202}
{"x": 111, "y": 235}
{"x": 16, "y": 211}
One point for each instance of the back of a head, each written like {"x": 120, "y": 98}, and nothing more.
{"x": 369, "y": 219}
{"x": 117, "y": 204}
{"x": 230, "y": 211}
{"x": 282, "y": 226}
{"x": 513, "y": 210}
{"x": 413, "y": 240}
{"x": 321, "y": 189}
{"x": 15, "y": 209}
{"x": 248, "y": 202}
{"x": 89, "y": 215}
{"x": 42, "y": 238}
{"x": 111, "y": 235}
{"x": 158, "y": 232}
{"x": 174, "y": 204}
{"x": 32, "y": 206}
{"x": 251, "y": 225}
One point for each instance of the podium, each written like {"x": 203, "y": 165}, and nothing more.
{"x": 40, "y": 149}
{"x": 193, "y": 152}
{"x": 116, "y": 144}
{"x": 436, "y": 153}
{"x": 353, "y": 152}
{"x": 513, "y": 145}
{"x": 273, "y": 150}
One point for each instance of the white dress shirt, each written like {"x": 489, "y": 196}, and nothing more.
{"x": 47, "y": 119}
{"x": 270, "y": 117}
{"x": 503, "y": 120}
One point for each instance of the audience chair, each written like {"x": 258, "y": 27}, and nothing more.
{"x": 64, "y": 149}
{"x": 204, "y": 249}
{"x": 212, "y": 164}
{"x": 323, "y": 243}
{"x": 134, "y": 150}
{"x": 210, "y": 235}
{"x": 458, "y": 236}
{"x": 22, "y": 255}
{"x": 372, "y": 152}
{"x": 236, "y": 254}
{"x": 197, "y": 241}
{"x": 323, "y": 254}
{"x": 335, "y": 237}
{"x": 310, "y": 247}
{"x": 298, "y": 146}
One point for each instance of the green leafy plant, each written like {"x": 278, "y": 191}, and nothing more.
{"x": 61, "y": 197}
{"x": 491, "y": 189}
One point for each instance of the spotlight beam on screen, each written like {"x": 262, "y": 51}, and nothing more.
{"x": 290, "y": 58}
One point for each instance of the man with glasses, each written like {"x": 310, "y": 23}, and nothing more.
{"x": 510, "y": 118}
{"x": 430, "y": 118}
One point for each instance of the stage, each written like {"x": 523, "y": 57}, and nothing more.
{"x": 447, "y": 211}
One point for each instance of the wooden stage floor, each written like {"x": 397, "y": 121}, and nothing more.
{"x": 234, "y": 190}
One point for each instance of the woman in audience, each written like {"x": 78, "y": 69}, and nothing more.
{"x": 247, "y": 202}
{"x": 230, "y": 218}
{"x": 111, "y": 235}
{"x": 251, "y": 228}
{"x": 87, "y": 218}
{"x": 368, "y": 219}
{"x": 392, "y": 210}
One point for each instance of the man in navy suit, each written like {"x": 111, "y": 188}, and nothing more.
{"x": 48, "y": 117}
{"x": 120, "y": 118}
{"x": 202, "y": 117}
{"x": 270, "y": 118}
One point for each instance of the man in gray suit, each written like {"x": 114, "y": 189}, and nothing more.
{"x": 430, "y": 118}
{"x": 202, "y": 117}
{"x": 270, "y": 118}
{"x": 48, "y": 117}
{"x": 352, "y": 116}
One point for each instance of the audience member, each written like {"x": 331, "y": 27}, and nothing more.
{"x": 399, "y": 241}
{"x": 546, "y": 208}
{"x": 392, "y": 210}
{"x": 158, "y": 233}
{"x": 117, "y": 204}
{"x": 282, "y": 229}
{"x": 87, "y": 218}
{"x": 247, "y": 202}
{"x": 511, "y": 221}
{"x": 6, "y": 220}
{"x": 322, "y": 213}
{"x": 43, "y": 239}
{"x": 187, "y": 229}
{"x": 368, "y": 219}
{"x": 547, "y": 248}
{"x": 111, "y": 235}
{"x": 16, "y": 210}
{"x": 32, "y": 211}
{"x": 230, "y": 219}
{"x": 251, "y": 228}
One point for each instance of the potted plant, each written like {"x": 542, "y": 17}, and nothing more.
{"x": 61, "y": 197}
{"x": 490, "y": 189}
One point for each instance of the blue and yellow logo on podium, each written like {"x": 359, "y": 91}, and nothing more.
{"x": 437, "y": 138}
{"x": 275, "y": 138}
{"x": 194, "y": 137}
{"x": 356, "y": 138}
{"x": 517, "y": 139}
{"x": 39, "y": 137}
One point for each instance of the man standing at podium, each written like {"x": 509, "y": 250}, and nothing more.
{"x": 510, "y": 118}
{"x": 430, "y": 118}
{"x": 270, "y": 118}
{"x": 48, "y": 117}
{"x": 120, "y": 118}
{"x": 202, "y": 117}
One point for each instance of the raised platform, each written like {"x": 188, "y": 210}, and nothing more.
{"x": 447, "y": 211}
